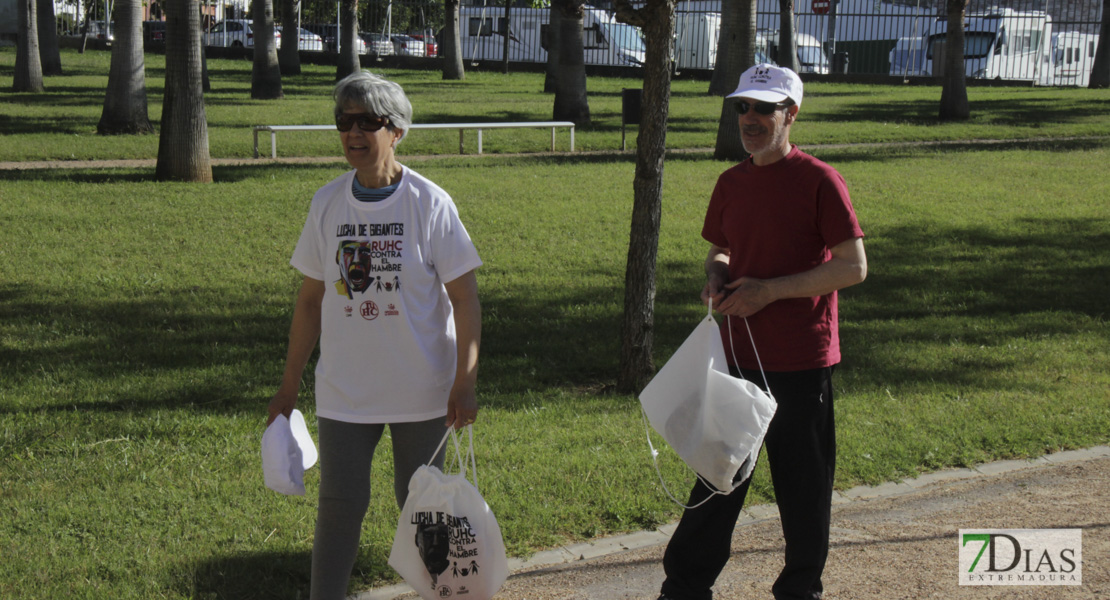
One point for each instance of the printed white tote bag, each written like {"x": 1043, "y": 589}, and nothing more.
{"x": 448, "y": 543}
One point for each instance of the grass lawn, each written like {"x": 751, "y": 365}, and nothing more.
{"x": 60, "y": 124}
{"x": 144, "y": 324}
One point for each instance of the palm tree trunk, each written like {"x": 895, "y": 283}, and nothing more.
{"x": 953, "y": 95}
{"x": 289, "y": 59}
{"x": 348, "y": 31}
{"x": 726, "y": 72}
{"x": 788, "y": 47}
{"x": 656, "y": 20}
{"x": 1100, "y": 71}
{"x": 125, "y": 106}
{"x": 551, "y": 70}
{"x": 49, "y": 55}
{"x": 571, "y": 103}
{"x": 28, "y": 67}
{"x": 742, "y": 56}
{"x": 266, "y": 73}
{"x": 452, "y": 44}
{"x": 183, "y": 140}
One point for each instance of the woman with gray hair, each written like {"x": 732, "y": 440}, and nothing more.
{"x": 389, "y": 291}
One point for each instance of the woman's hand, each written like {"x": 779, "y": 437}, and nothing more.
{"x": 282, "y": 403}
{"x": 462, "y": 406}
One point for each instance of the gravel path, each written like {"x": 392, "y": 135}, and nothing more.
{"x": 898, "y": 541}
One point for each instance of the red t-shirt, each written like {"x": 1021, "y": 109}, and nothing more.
{"x": 778, "y": 220}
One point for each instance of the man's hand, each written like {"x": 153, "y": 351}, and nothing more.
{"x": 745, "y": 297}
{"x": 714, "y": 291}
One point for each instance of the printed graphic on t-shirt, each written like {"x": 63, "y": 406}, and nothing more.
{"x": 369, "y": 265}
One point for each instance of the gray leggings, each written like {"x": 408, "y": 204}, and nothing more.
{"x": 346, "y": 451}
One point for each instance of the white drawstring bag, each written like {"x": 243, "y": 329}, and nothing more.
{"x": 715, "y": 422}
{"x": 287, "y": 452}
{"x": 448, "y": 543}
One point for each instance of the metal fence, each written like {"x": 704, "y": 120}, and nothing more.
{"x": 1043, "y": 42}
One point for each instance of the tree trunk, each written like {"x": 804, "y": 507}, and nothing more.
{"x": 953, "y": 95}
{"x": 452, "y": 44}
{"x": 742, "y": 56}
{"x": 348, "y": 31}
{"x": 1100, "y": 71}
{"x": 289, "y": 59}
{"x": 551, "y": 72}
{"x": 571, "y": 103}
{"x": 656, "y": 20}
{"x": 506, "y": 34}
{"x": 183, "y": 141}
{"x": 28, "y": 67}
{"x": 788, "y": 46}
{"x": 49, "y": 55}
{"x": 125, "y": 106}
{"x": 726, "y": 72}
{"x": 266, "y": 74}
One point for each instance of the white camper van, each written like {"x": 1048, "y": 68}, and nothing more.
{"x": 1001, "y": 44}
{"x": 907, "y": 57}
{"x": 605, "y": 41}
{"x": 696, "y": 35}
{"x": 1073, "y": 56}
{"x": 811, "y": 56}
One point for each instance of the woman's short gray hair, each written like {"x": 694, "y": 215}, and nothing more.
{"x": 378, "y": 96}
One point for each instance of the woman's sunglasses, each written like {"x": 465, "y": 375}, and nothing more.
{"x": 366, "y": 122}
{"x": 763, "y": 108}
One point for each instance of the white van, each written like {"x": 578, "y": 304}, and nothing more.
{"x": 907, "y": 57}
{"x": 696, "y": 35}
{"x": 811, "y": 56}
{"x": 1001, "y": 44}
{"x": 605, "y": 41}
{"x": 1073, "y": 56}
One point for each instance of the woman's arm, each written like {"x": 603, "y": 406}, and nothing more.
{"x": 462, "y": 404}
{"x": 303, "y": 335}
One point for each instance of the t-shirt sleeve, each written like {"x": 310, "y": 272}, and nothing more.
{"x": 836, "y": 216}
{"x": 308, "y": 255}
{"x": 453, "y": 253}
{"x": 711, "y": 229}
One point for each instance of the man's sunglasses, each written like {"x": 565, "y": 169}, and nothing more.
{"x": 366, "y": 122}
{"x": 763, "y": 108}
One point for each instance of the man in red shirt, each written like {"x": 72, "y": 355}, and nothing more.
{"x": 783, "y": 239}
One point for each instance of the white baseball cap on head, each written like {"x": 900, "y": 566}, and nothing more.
{"x": 769, "y": 83}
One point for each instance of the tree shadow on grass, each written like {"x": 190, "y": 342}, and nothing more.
{"x": 979, "y": 287}
{"x": 180, "y": 339}
{"x": 261, "y": 576}
{"x": 275, "y": 575}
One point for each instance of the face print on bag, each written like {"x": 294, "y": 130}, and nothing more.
{"x": 433, "y": 543}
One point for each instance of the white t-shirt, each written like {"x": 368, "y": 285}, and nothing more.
{"x": 387, "y": 341}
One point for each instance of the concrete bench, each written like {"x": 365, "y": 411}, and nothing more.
{"x": 274, "y": 129}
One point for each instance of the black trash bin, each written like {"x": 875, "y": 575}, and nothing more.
{"x": 840, "y": 62}
{"x": 632, "y": 101}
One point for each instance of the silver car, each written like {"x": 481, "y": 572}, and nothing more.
{"x": 377, "y": 44}
{"x": 308, "y": 40}
{"x": 406, "y": 45}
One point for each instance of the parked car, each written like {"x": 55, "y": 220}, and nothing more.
{"x": 406, "y": 45}
{"x": 431, "y": 47}
{"x": 100, "y": 31}
{"x": 328, "y": 33}
{"x": 377, "y": 44}
{"x": 154, "y": 31}
{"x": 308, "y": 41}
{"x": 235, "y": 33}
